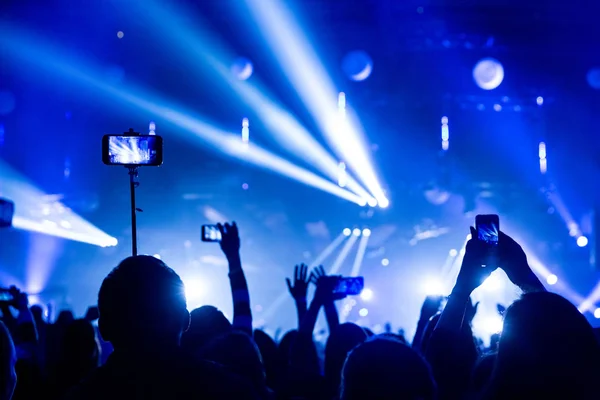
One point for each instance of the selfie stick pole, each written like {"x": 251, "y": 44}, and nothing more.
{"x": 133, "y": 183}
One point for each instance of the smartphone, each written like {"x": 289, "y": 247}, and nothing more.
{"x": 142, "y": 150}
{"x": 350, "y": 286}
{"x": 211, "y": 233}
{"x": 7, "y": 211}
{"x": 488, "y": 229}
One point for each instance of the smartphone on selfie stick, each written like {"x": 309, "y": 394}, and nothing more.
{"x": 132, "y": 150}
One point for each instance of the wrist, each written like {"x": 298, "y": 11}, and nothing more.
{"x": 460, "y": 293}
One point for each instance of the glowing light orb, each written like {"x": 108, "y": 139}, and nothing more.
{"x": 488, "y": 73}
{"x": 593, "y": 78}
{"x": 366, "y": 232}
{"x": 242, "y": 68}
{"x": 363, "y": 312}
{"x": 551, "y": 279}
{"x": 582, "y": 241}
{"x": 356, "y": 232}
{"x": 366, "y": 294}
{"x": 347, "y": 232}
{"x": 357, "y": 65}
{"x": 597, "y": 313}
{"x": 385, "y": 262}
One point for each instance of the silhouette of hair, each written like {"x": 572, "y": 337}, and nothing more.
{"x": 394, "y": 336}
{"x": 238, "y": 352}
{"x": 65, "y": 317}
{"x": 343, "y": 339}
{"x": 546, "y": 347}
{"x": 284, "y": 349}
{"x": 384, "y": 368}
{"x": 268, "y": 351}
{"x": 141, "y": 301}
{"x": 8, "y": 359}
{"x": 207, "y": 323}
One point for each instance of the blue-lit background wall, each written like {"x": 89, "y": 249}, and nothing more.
{"x": 71, "y": 72}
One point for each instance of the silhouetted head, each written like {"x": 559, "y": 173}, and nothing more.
{"x": 268, "y": 351}
{"x": 38, "y": 314}
{"x": 547, "y": 347}
{"x": 8, "y": 360}
{"x": 65, "y": 317}
{"x": 207, "y": 323}
{"x": 284, "y": 347}
{"x": 384, "y": 368}
{"x": 394, "y": 336}
{"x": 238, "y": 352}
{"x": 80, "y": 345}
{"x": 343, "y": 339}
{"x": 142, "y": 304}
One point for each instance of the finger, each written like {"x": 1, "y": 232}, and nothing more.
{"x": 296, "y": 273}
{"x": 289, "y": 284}
{"x": 304, "y": 272}
{"x": 321, "y": 270}
{"x": 312, "y": 278}
{"x": 221, "y": 228}
{"x": 473, "y": 232}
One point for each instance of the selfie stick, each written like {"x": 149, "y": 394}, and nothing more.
{"x": 133, "y": 183}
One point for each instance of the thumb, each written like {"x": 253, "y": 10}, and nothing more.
{"x": 473, "y": 232}
{"x": 289, "y": 284}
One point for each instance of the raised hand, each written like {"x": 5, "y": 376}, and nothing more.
{"x": 431, "y": 306}
{"x": 230, "y": 239}
{"x": 513, "y": 261}
{"x": 325, "y": 286}
{"x": 301, "y": 280}
{"x": 474, "y": 269}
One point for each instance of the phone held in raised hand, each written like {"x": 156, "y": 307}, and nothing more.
{"x": 488, "y": 229}
{"x": 211, "y": 233}
{"x": 132, "y": 151}
{"x": 350, "y": 286}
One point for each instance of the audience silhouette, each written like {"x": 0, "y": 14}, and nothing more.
{"x": 546, "y": 350}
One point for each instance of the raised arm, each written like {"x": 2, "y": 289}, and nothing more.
{"x": 513, "y": 261}
{"x": 331, "y": 312}
{"x": 298, "y": 290}
{"x": 431, "y": 306}
{"x": 230, "y": 244}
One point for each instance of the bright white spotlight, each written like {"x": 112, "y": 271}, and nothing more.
{"x": 493, "y": 283}
{"x": 366, "y": 232}
{"x": 347, "y": 232}
{"x": 342, "y": 174}
{"x": 573, "y": 229}
{"x": 542, "y": 150}
{"x": 242, "y": 68}
{"x": 372, "y": 202}
{"x": 363, "y": 312}
{"x": 488, "y": 73}
{"x": 120, "y": 34}
{"x": 492, "y": 324}
{"x": 453, "y": 252}
{"x": 597, "y": 313}
{"x": 356, "y": 232}
{"x": 366, "y": 294}
{"x": 383, "y": 202}
{"x": 582, "y": 241}
{"x": 357, "y": 65}
{"x": 433, "y": 287}
{"x": 497, "y": 107}
{"x": 194, "y": 291}
{"x": 157, "y": 256}
{"x": 539, "y": 100}
{"x": 552, "y": 279}
{"x": 385, "y": 262}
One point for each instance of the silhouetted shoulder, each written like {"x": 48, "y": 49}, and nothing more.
{"x": 175, "y": 379}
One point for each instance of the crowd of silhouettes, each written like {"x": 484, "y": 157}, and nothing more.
{"x": 146, "y": 344}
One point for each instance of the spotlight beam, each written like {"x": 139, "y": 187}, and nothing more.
{"x": 226, "y": 142}
{"x": 337, "y": 264}
{"x": 29, "y": 216}
{"x": 301, "y": 65}
{"x": 286, "y": 129}
{"x": 360, "y": 255}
